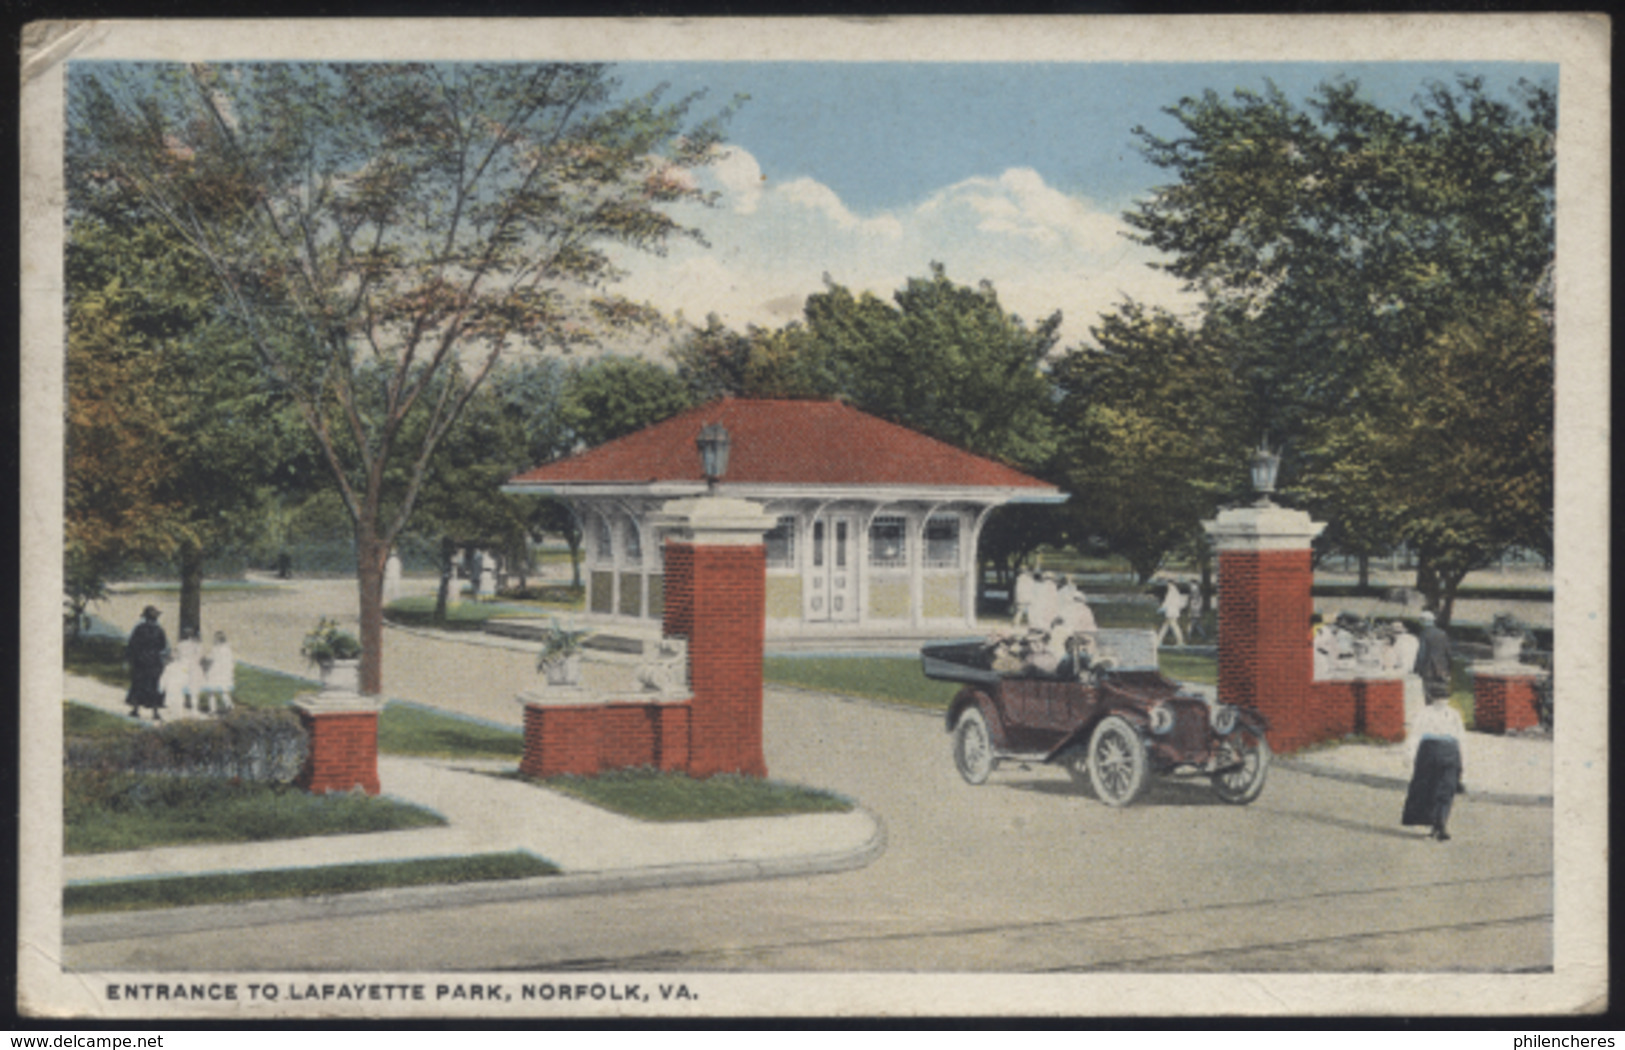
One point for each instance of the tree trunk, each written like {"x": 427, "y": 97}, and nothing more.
{"x": 1447, "y": 602}
{"x": 448, "y": 547}
{"x": 191, "y": 589}
{"x": 1365, "y": 571}
{"x": 1427, "y": 581}
{"x": 573, "y": 538}
{"x": 371, "y": 553}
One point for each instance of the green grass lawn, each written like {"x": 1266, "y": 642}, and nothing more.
{"x": 894, "y": 678}
{"x": 408, "y": 729}
{"x": 139, "y": 894}
{"x": 899, "y": 679}
{"x": 646, "y": 794}
{"x": 108, "y": 812}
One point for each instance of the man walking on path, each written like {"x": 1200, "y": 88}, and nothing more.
{"x": 1433, "y": 659}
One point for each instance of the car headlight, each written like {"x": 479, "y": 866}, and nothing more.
{"x": 1223, "y": 719}
{"x": 1162, "y": 719}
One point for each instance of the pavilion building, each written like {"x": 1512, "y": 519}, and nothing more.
{"x": 877, "y": 525}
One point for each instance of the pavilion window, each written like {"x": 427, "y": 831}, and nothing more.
{"x": 888, "y": 543}
{"x": 604, "y": 543}
{"x": 942, "y": 541}
{"x": 781, "y": 544}
{"x": 634, "y": 544}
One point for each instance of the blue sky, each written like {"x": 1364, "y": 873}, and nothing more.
{"x": 1016, "y": 173}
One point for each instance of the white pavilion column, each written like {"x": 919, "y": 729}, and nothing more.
{"x": 914, "y": 543}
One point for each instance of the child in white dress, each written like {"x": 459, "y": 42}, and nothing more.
{"x": 219, "y": 677}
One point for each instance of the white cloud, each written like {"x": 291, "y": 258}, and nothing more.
{"x": 771, "y": 244}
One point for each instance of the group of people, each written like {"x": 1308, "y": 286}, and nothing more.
{"x": 1057, "y": 621}
{"x": 202, "y": 682}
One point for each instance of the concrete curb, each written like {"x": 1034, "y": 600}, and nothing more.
{"x": 89, "y": 929}
{"x": 1374, "y": 780}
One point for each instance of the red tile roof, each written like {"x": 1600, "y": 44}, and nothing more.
{"x": 784, "y": 442}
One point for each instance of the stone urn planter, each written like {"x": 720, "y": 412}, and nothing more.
{"x": 1506, "y": 649}
{"x": 562, "y": 670}
{"x": 340, "y": 676}
{"x": 337, "y": 656}
{"x": 1507, "y": 637}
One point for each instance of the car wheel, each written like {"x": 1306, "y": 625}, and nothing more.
{"x": 1241, "y": 783}
{"x": 1118, "y": 765}
{"x": 973, "y": 746}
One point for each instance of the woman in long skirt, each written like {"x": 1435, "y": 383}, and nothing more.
{"x": 1436, "y": 748}
{"x": 144, "y": 652}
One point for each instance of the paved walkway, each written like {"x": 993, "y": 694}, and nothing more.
{"x": 598, "y": 852}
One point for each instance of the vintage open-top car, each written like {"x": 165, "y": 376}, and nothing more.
{"x": 1106, "y": 713}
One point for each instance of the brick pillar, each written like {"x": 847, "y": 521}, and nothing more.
{"x": 343, "y": 729}
{"x": 1504, "y": 697}
{"x": 1265, "y": 657}
{"x": 716, "y": 597}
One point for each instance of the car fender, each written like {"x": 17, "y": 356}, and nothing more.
{"x": 1253, "y": 719}
{"x": 1080, "y": 736}
{"x": 971, "y": 697}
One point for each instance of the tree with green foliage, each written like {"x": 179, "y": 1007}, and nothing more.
{"x": 173, "y": 444}
{"x": 715, "y": 361}
{"x": 395, "y": 226}
{"x": 612, "y": 396}
{"x": 946, "y": 360}
{"x": 1341, "y": 247}
{"x": 1150, "y": 442}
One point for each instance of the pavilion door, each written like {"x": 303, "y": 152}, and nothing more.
{"x": 831, "y": 583}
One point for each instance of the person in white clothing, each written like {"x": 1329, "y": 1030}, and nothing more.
{"x": 1404, "y": 648}
{"x": 185, "y": 672}
{"x": 1173, "y": 605}
{"x": 1437, "y": 748}
{"x": 219, "y": 678}
{"x": 392, "y": 578}
{"x": 1046, "y": 603}
{"x": 1022, "y": 599}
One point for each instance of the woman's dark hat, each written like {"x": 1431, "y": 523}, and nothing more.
{"x": 150, "y": 613}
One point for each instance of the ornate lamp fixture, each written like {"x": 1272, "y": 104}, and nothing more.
{"x": 713, "y": 444}
{"x": 1266, "y": 465}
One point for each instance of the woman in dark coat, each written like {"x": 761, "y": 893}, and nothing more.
{"x": 144, "y": 652}
{"x": 1436, "y": 747}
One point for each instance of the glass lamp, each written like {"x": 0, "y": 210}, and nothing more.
{"x": 713, "y": 443}
{"x": 1266, "y": 465}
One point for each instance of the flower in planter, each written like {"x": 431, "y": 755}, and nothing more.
{"x": 560, "y": 643}
{"x": 1505, "y": 625}
{"x": 328, "y": 642}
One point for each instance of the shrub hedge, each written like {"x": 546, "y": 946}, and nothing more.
{"x": 247, "y": 744}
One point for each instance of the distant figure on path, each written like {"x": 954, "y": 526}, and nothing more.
{"x": 1323, "y": 639}
{"x": 1021, "y": 604}
{"x": 1433, "y": 659}
{"x": 1173, "y": 604}
{"x": 488, "y": 575}
{"x": 144, "y": 652}
{"x": 219, "y": 677}
{"x": 1197, "y": 606}
{"x": 1436, "y": 767}
{"x": 392, "y": 578}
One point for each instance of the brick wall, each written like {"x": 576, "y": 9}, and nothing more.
{"x": 343, "y": 752}
{"x": 716, "y": 598}
{"x": 588, "y": 739}
{"x": 1265, "y": 660}
{"x": 1503, "y": 702}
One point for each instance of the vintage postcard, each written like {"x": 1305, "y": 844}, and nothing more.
{"x": 707, "y": 518}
